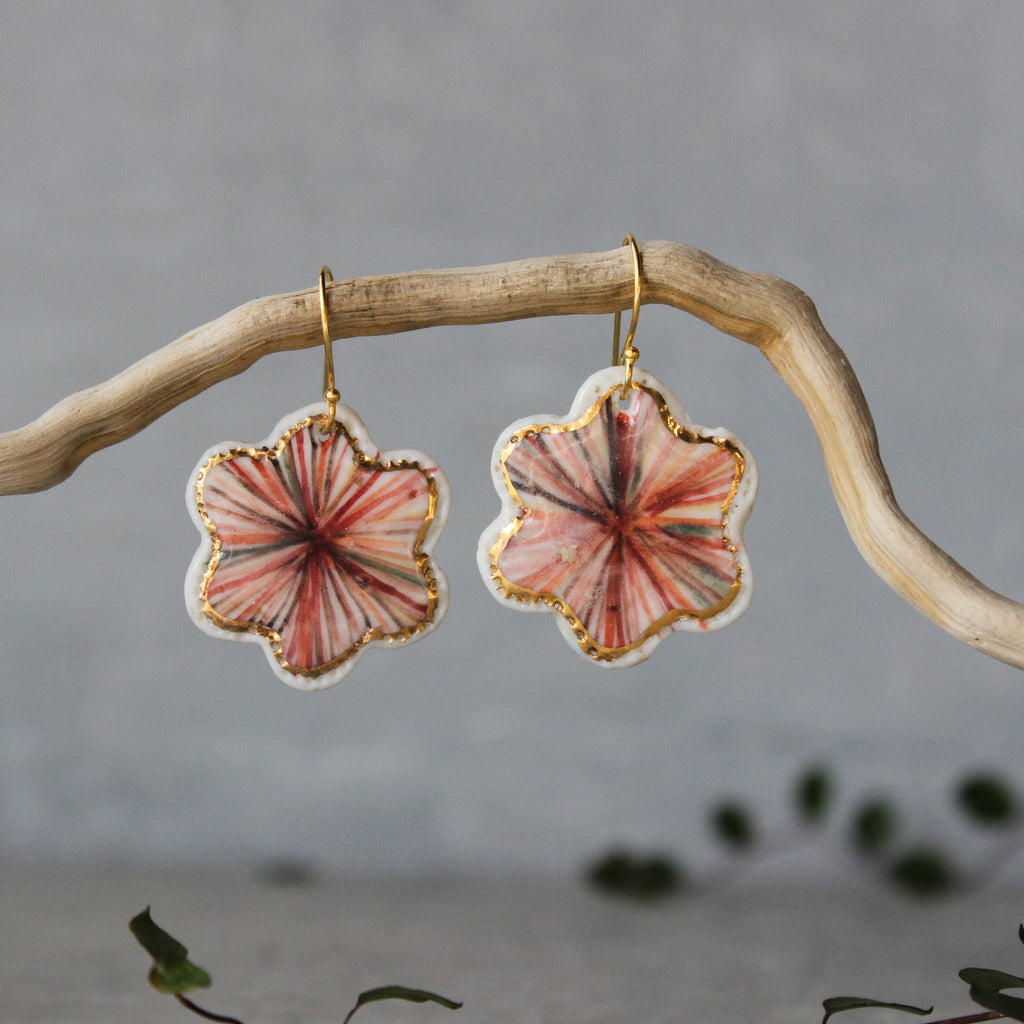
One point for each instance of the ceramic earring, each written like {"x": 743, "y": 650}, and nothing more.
{"x": 622, "y": 518}
{"x": 316, "y": 544}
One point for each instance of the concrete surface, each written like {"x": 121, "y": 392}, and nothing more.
{"x": 520, "y": 951}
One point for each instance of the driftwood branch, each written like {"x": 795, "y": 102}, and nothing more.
{"x": 764, "y": 311}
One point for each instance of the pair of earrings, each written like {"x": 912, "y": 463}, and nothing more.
{"x": 622, "y": 518}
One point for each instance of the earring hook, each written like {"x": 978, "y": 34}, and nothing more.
{"x": 630, "y": 354}
{"x": 331, "y": 395}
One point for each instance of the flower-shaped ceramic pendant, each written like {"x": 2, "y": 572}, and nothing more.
{"x": 622, "y": 518}
{"x": 316, "y": 545}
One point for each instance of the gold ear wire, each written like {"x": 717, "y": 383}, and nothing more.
{"x": 630, "y": 354}
{"x": 331, "y": 395}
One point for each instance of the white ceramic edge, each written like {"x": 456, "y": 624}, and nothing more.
{"x": 201, "y": 560}
{"x": 739, "y": 510}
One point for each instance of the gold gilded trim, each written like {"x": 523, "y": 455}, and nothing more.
{"x": 590, "y": 647}
{"x": 423, "y": 559}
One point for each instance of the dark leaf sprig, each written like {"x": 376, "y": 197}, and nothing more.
{"x": 174, "y": 973}
{"x": 986, "y": 987}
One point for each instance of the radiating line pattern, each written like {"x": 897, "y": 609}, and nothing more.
{"x": 622, "y": 523}
{"x": 317, "y": 547}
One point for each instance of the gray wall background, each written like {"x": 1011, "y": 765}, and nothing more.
{"x": 164, "y": 162}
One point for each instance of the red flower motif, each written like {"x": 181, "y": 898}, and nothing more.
{"x": 622, "y": 518}
{"x": 318, "y": 544}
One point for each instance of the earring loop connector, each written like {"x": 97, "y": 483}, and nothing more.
{"x": 331, "y": 394}
{"x": 630, "y": 354}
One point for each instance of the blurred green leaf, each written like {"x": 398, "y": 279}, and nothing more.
{"x": 659, "y": 877}
{"x": 986, "y": 989}
{"x": 813, "y": 794}
{"x": 987, "y": 800}
{"x": 178, "y": 977}
{"x": 411, "y": 995}
{"x": 923, "y": 872}
{"x": 983, "y": 977}
{"x": 171, "y": 972}
{"x": 733, "y": 826}
{"x": 154, "y": 940}
{"x": 638, "y": 877}
{"x": 612, "y": 872}
{"x": 839, "y": 1004}
{"x": 874, "y": 827}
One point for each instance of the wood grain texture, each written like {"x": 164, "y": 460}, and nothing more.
{"x": 764, "y": 311}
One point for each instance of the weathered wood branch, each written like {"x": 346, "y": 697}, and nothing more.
{"x": 764, "y": 311}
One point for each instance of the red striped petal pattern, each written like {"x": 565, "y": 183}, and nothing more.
{"x": 318, "y": 547}
{"x": 621, "y": 520}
